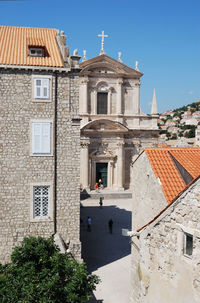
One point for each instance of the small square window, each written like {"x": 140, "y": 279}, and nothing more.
{"x": 36, "y": 51}
{"x": 41, "y": 201}
{"x": 188, "y": 244}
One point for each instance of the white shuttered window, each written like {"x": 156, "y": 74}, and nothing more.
{"x": 41, "y": 137}
{"x": 41, "y": 88}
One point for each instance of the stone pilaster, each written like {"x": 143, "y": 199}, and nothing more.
{"x": 84, "y": 99}
{"x": 119, "y": 96}
{"x": 110, "y": 174}
{"x": 137, "y": 88}
{"x": 120, "y": 165}
{"x": 109, "y": 102}
{"x": 84, "y": 164}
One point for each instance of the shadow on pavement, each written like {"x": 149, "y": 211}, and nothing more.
{"x": 94, "y": 300}
{"x": 99, "y": 247}
{"x": 84, "y": 194}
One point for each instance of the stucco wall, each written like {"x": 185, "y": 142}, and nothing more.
{"x": 19, "y": 169}
{"x": 148, "y": 198}
{"x": 160, "y": 270}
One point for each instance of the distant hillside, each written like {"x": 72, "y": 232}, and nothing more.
{"x": 180, "y": 122}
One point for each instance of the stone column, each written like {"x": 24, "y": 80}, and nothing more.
{"x": 90, "y": 174}
{"x": 109, "y": 102}
{"x": 119, "y": 96}
{"x": 120, "y": 166}
{"x": 93, "y": 173}
{"x": 84, "y": 85}
{"x": 95, "y": 102}
{"x": 137, "y": 88}
{"x": 84, "y": 169}
{"x": 110, "y": 174}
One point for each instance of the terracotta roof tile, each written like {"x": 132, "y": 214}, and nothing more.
{"x": 165, "y": 169}
{"x": 14, "y": 43}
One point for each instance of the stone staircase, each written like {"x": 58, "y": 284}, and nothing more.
{"x": 106, "y": 194}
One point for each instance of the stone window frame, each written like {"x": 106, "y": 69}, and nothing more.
{"x": 182, "y": 231}
{"x": 51, "y": 136}
{"x": 103, "y": 86}
{"x": 185, "y": 234}
{"x": 42, "y": 100}
{"x": 50, "y": 218}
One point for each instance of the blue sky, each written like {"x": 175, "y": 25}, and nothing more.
{"x": 163, "y": 35}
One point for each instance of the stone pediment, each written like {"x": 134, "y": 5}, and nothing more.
{"x": 106, "y": 65}
{"x": 103, "y": 152}
{"x": 104, "y": 126}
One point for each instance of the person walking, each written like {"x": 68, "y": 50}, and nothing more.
{"x": 101, "y": 202}
{"x": 110, "y": 225}
{"x": 89, "y": 223}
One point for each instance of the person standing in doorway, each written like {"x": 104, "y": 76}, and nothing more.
{"x": 110, "y": 225}
{"x": 96, "y": 187}
{"x": 89, "y": 223}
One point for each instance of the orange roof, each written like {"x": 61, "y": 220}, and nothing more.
{"x": 14, "y": 43}
{"x": 165, "y": 169}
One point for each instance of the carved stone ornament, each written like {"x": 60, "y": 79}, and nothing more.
{"x": 120, "y": 81}
{"x": 85, "y": 144}
{"x": 84, "y": 80}
{"x": 120, "y": 144}
{"x": 137, "y": 84}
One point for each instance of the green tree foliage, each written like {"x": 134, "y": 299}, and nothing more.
{"x": 174, "y": 136}
{"x": 191, "y": 133}
{"x": 39, "y": 273}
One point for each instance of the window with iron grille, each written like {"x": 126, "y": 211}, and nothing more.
{"x": 41, "y": 201}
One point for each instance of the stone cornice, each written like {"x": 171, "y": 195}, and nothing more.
{"x": 37, "y": 68}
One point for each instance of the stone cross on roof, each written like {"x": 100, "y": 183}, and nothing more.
{"x": 102, "y": 52}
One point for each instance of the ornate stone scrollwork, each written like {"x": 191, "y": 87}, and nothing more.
{"x": 85, "y": 144}
{"x": 120, "y": 81}
{"x": 137, "y": 84}
{"x": 120, "y": 144}
{"x": 84, "y": 81}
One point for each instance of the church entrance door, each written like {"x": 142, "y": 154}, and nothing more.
{"x": 102, "y": 173}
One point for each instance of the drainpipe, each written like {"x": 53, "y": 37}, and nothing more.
{"x": 55, "y": 156}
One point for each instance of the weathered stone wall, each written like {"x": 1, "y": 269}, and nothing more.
{"x": 146, "y": 190}
{"x": 160, "y": 270}
{"x": 19, "y": 169}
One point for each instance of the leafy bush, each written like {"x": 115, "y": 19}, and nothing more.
{"x": 174, "y": 137}
{"x": 39, "y": 273}
{"x": 191, "y": 133}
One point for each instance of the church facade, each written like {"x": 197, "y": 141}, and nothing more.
{"x": 113, "y": 128}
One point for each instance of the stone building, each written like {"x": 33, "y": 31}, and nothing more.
{"x": 40, "y": 138}
{"x": 166, "y": 230}
{"x": 113, "y": 128}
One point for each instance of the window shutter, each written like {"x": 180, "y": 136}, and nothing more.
{"x": 36, "y": 137}
{"x": 41, "y": 138}
{"x": 37, "y": 86}
{"x": 41, "y": 88}
{"x": 46, "y": 138}
{"x": 45, "y": 88}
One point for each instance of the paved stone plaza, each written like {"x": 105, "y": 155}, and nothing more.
{"x": 108, "y": 255}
